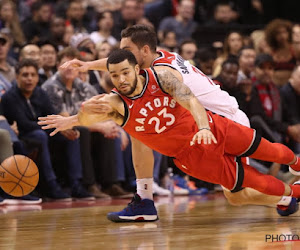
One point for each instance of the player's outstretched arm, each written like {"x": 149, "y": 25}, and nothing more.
{"x": 110, "y": 107}
{"x": 82, "y": 66}
{"x": 184, "y": 96}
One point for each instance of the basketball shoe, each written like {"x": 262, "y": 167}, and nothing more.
{"x": 292, "y": 208}
{"x": 138, "y": 210}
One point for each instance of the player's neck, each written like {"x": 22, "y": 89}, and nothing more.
{"x": 149, "y": 61}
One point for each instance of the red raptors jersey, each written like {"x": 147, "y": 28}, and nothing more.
{"x": 157, "y": 120}
{"x": 207, "y": 92}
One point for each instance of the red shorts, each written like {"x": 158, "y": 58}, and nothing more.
{"x": 218, "y": 163}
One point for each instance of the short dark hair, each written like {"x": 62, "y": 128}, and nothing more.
{"x": 26, "y": 63}
{"x": 36, "y": 6}
{"x": 68, "y": 52}
{"x": 186, "y": 41}
{"x": 47, "y": 42}
{"x": 244, "y": 48}
{"x": 230, "y": 60}
{"x": 141, "y": 35}
{"x": 121, "y": 55}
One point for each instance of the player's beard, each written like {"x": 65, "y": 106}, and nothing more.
{"x": 131, "y": 90}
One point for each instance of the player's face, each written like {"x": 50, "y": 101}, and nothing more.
{"x": 27, "y": 79}
{"x": 127, "y": 44}
{"x": 124, "y": 77}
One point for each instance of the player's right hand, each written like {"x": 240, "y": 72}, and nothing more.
{"x": 76, "y": 64}
{"x": 58, "y": 122}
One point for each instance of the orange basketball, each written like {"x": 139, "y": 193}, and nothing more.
{"x": 19, "y": 175}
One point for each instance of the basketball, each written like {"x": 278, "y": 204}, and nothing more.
{"x": 19, "y": 175}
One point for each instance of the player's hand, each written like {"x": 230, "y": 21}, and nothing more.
{"x": 76, "y": 64}
{"x": 205, "y": 136}
{"x": 96, "y": 106}
{"x": 124, "y": 139}
{"x": 58, "y": 122}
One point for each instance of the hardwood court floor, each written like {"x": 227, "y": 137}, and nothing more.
{"x": 203, "y": 222}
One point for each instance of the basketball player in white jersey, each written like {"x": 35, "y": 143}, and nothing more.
{"x": 141, "y": 41}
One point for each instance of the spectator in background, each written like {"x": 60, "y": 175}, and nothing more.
{"x": 105, "y": 24}
{"x": 67, "y": 92}
{"x": 232, "y": 44}
{"x": 279, "y": 38}
{"x": 246, "y": 60}
{"x": 290, "y": 94}
{"x": 48, "y": 59}
{"x": 24, "y": 103}
{"x": 75, "y": 14}
{"x": 140, "y": 15}
{"x": 32, "y": 51}
{"x": 168, "y": 42}
{"x": 182, "y": 24}
{"x": 187, "y": 49}
{"x": 37, "y": 27}
{"x": 258, "y": 38}
{"x": 87, "y": 48}
{"x": 102, "y": 51}
{"x": 126, "y": 17}
{"x": 227, "y": 79}
{"x": 9, "y": 19}
{"x": 205, "y": 59}
{"x": 83, "y": 40}
{"x": 57, "y": 32}
{"x": 223, "y": 15}
{"x": 266, "y": 111}
{"x": 7, "y": 72}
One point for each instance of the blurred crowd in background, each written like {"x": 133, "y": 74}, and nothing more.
{"x": 251, "y": 48}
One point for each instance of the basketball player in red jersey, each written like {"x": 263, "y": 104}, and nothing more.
{"x": 156, "y": 109}
{"x": 142, "y": 42}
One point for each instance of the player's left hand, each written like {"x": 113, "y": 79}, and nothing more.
{"x": 205, "y": 136}
{"x": 96, "y": 106}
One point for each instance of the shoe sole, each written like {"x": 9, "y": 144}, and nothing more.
{"x": 136, "y": 218}
{"x": 21, "y": 202}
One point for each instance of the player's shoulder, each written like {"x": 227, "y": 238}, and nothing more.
{"x": 162, "y": 71}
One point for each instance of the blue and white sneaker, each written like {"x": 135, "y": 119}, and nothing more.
{"x": 24, "y": 200}
{"x": 292, "y": 208}
{"x": 2, "y": 201}
{"x": 138, "y": 210}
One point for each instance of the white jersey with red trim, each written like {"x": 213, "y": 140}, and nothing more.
{"x": 208, "y": 93}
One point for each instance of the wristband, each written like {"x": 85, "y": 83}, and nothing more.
{"x": 204, "y": 128}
